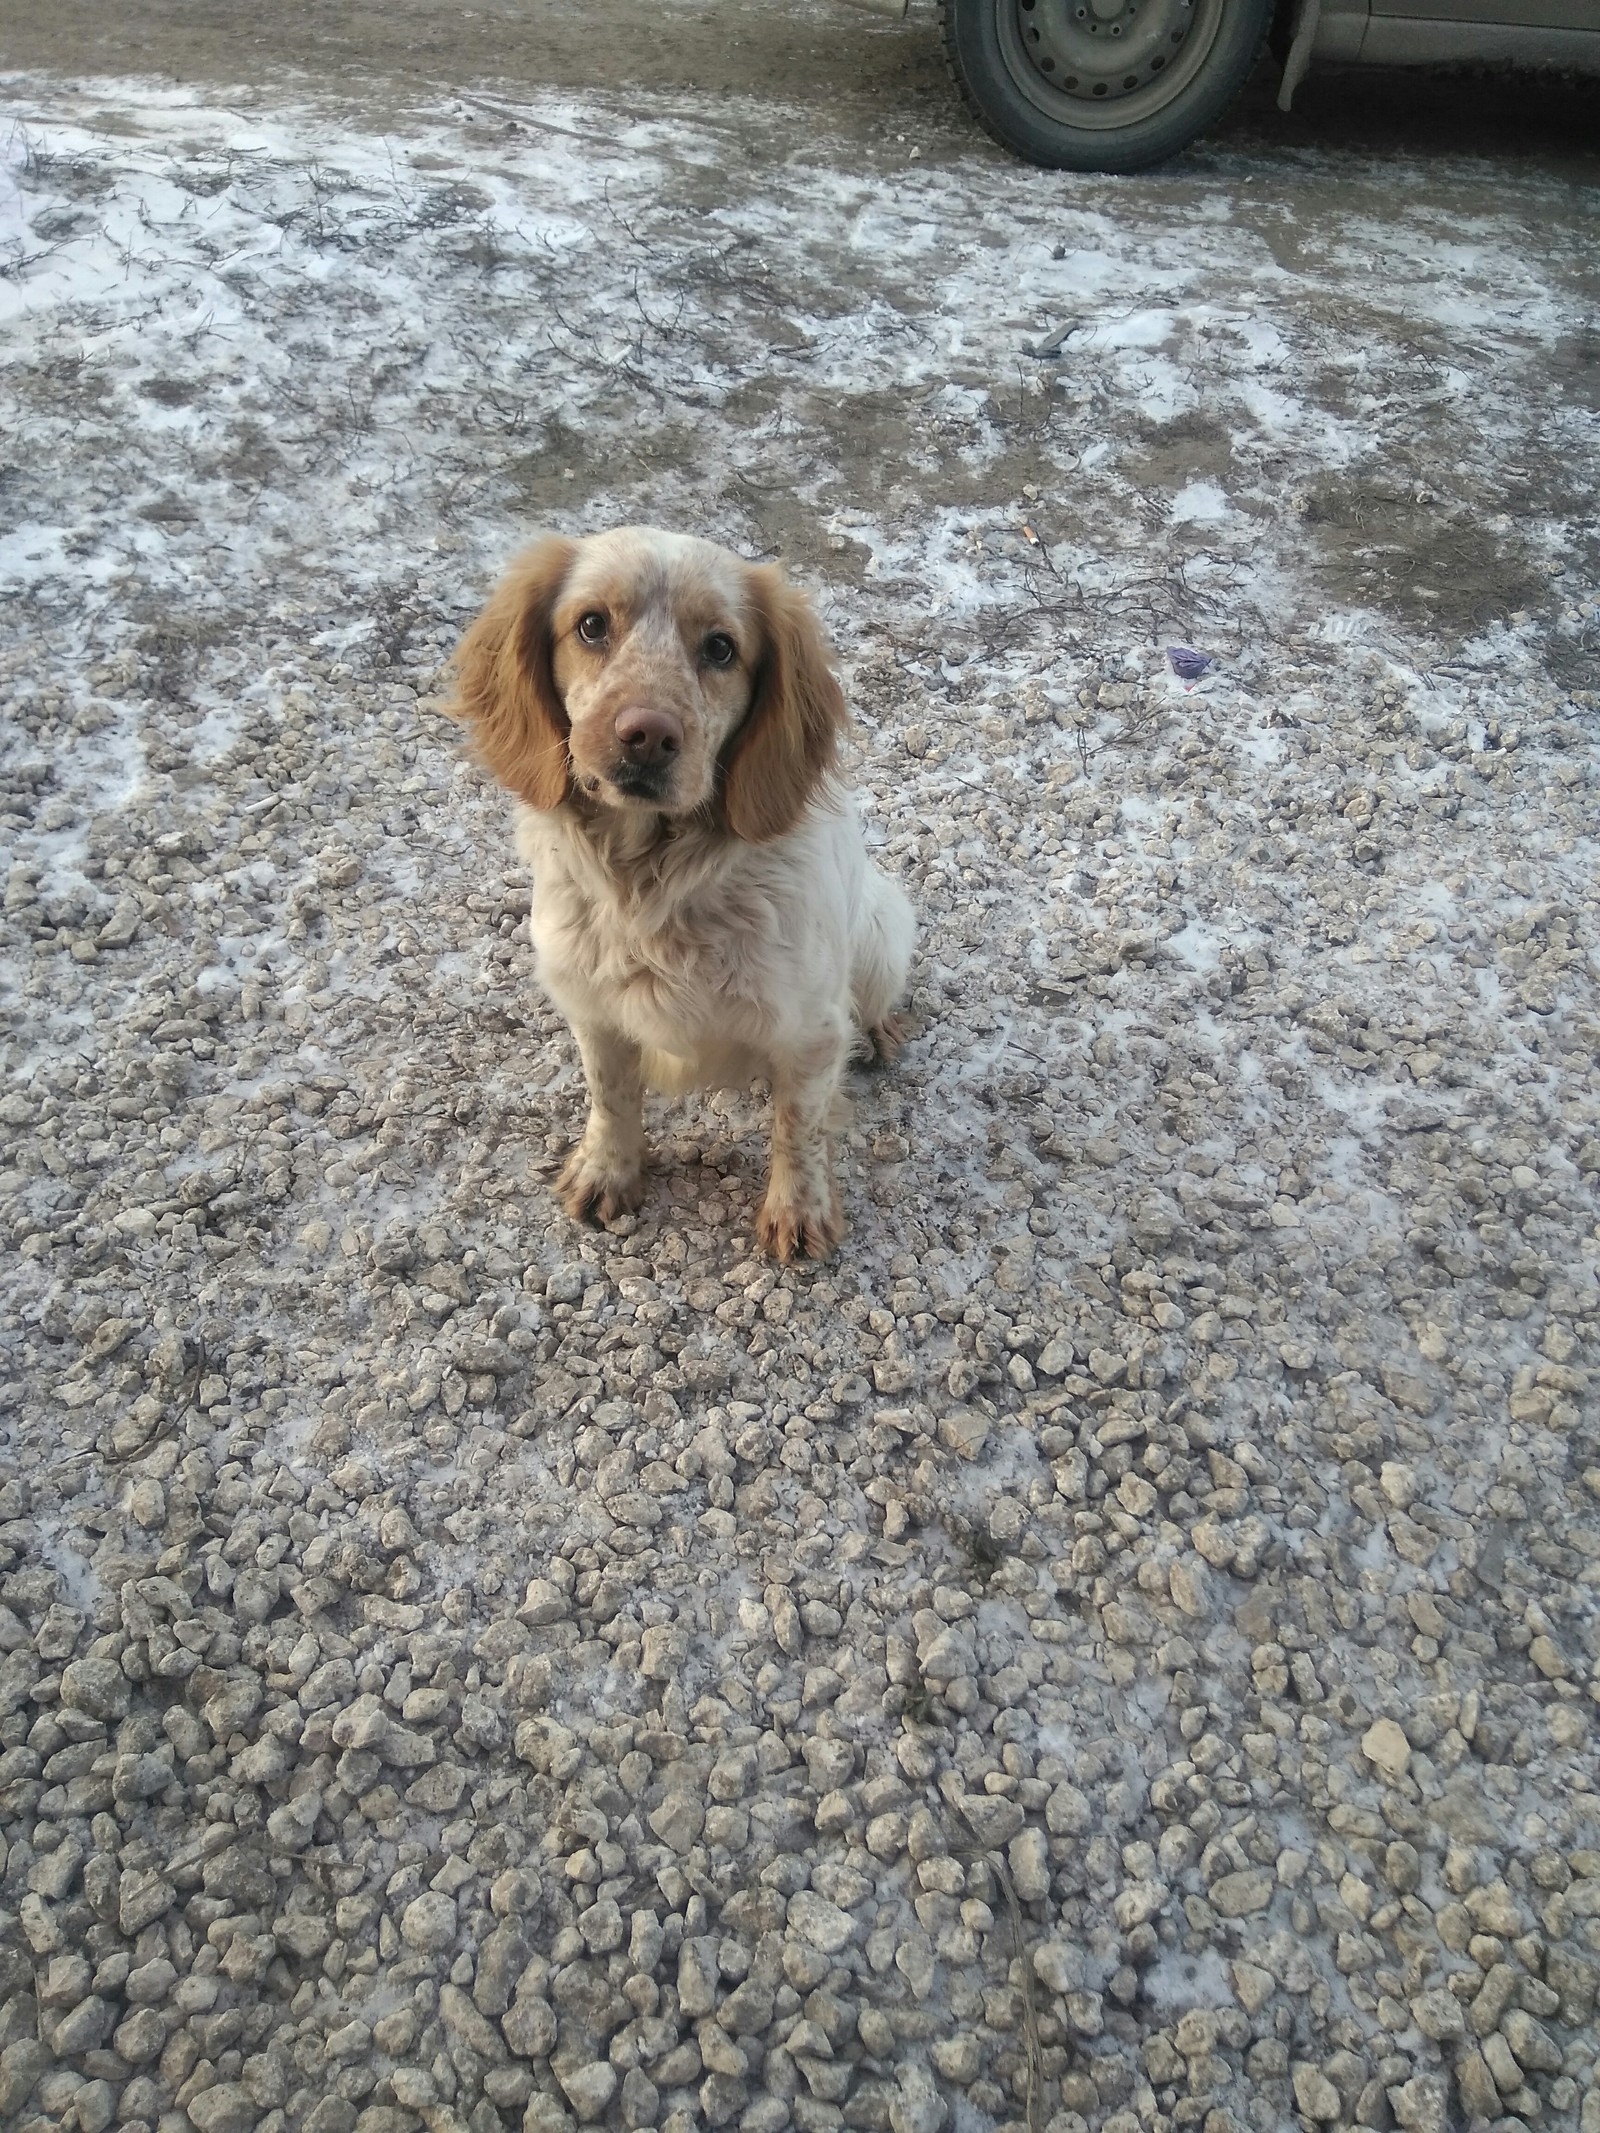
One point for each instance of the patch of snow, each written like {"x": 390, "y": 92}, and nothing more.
{"x": 1199, "y": 503}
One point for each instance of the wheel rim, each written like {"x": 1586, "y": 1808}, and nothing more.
{"x": 1105, "y": 64}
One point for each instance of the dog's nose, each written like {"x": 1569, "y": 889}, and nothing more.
{"x": 649, "y": 738}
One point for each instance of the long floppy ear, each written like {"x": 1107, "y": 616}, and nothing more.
{"x": 505, "y": 689}
{"x": 790, "y": 736}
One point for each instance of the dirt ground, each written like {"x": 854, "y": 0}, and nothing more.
{"x": 877, "y": 94}
{"x": 869, "y": 95}
{"x": 866, "y": 79}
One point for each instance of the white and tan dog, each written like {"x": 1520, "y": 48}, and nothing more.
{"x": 704, "y": 909}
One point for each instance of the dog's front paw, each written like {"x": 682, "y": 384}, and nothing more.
{"x": 786, "y": 1228}
{"x": 596, "y": 1187}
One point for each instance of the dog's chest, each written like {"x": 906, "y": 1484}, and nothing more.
{"x": 657, "y": 969}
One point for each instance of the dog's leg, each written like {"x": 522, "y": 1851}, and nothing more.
{"x": 604, "y": 1176}
{"x": 886, "y": 1039}
{"x": 801, "y": 1211}
{"x": 885, "y": 936}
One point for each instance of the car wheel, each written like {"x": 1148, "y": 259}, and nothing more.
{"x": 1112, "y": 85}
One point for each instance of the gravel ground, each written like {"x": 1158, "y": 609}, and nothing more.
{"x": 1116, "y": 1649}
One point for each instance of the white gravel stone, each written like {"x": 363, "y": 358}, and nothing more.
{"x": 917, "y": 2106}
{"x": 589, "y": 2089}
{"x": 1385, "y": 1746}
{"x": 820, "y": 1924}
{"x": 428, "y": 1923}
{"x": 1028, "y": 1854}
{"x": 222, "y": 2108}
{"x": 1241, "y": 1894}
{"x": 1315, "y": 2095}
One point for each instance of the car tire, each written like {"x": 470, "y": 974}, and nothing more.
{"x": 1107, "y": 85}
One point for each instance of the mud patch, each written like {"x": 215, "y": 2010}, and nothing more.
{"x": 1169, "y": 455}
{"x": 1574, "y": 368}
{"x": 1383, "y": 548}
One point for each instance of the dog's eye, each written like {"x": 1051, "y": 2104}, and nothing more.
{"x": 593, "y": 626}
{"x": 719, "y": 649}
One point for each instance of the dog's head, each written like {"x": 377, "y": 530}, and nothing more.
{"x": 651, "y": 671}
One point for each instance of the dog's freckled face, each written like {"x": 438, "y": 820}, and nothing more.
{"x": 655, "y": 678}
{"x": 704, "y": 910}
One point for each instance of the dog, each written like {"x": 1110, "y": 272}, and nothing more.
{"x": 704, "y": 910}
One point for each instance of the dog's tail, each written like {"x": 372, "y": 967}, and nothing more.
{"x": 886, "y": 933}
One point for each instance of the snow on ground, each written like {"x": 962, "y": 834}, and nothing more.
{"x": 1164, "y": 1542}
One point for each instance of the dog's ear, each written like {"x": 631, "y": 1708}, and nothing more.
{"x": 505, "y": 688}
{"x": 790, "y": 735}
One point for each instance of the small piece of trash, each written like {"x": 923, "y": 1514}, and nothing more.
{"x": 1187, "y": 663}
{"x": 1028, "y": 534}
{"x": 1051, "y": 343}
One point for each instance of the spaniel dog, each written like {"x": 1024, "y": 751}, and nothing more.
{"x": 704, "y": 910}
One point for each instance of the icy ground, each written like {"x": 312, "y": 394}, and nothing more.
{"x": 1119, "y": 1647}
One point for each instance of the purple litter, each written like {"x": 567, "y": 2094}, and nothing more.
{"x": 1186, "y": 662}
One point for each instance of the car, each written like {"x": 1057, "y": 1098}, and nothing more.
{"x": 1120, "y": 85}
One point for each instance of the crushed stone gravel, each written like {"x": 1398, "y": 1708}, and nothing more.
{"x": 1118, "y": 1648}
